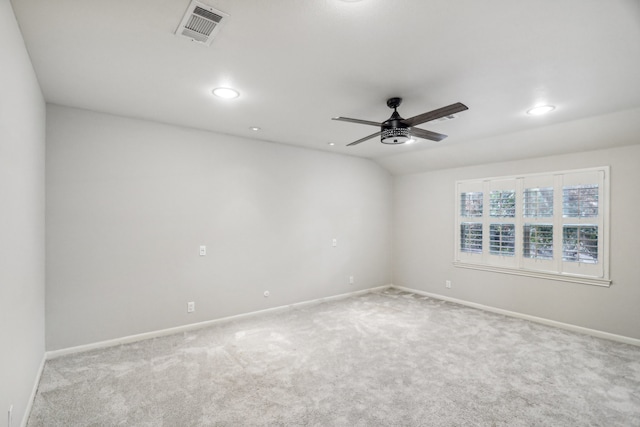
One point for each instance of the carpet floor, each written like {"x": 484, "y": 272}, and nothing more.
{"x": 386, "y": 358}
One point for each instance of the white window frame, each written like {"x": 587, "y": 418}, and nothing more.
{"x": 556, "y": 268}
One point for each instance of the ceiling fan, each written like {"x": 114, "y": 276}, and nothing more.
{"x": 396, "y": 130}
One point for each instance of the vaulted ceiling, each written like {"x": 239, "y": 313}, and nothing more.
{"x": 299, "y": 63}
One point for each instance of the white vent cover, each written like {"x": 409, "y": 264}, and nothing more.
{"x": 201, "y": 23}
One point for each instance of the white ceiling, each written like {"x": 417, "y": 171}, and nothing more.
{"x": 299, "y": 63}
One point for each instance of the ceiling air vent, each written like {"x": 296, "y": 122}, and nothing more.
{"x": 444, "y": 119}
{"x": 201, "y": 23}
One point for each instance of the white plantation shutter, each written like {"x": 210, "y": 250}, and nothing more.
{"x": 469, "y": 224}
{"x": 583, "y": 215}
{"x": 539, "y": 208}
{"x": 552, "y": 225}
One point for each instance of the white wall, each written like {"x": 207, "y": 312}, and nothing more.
{"x": 129, "y": 202}
{"x": 424, "y": 209}
{"x": 22, "y": 132}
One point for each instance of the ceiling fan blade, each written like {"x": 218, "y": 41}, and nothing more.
{"x": 362, "y": 122}
{"x": 427, "y": 134}
{"x": 435, "y": 114}
{"x": 364, "y": 139}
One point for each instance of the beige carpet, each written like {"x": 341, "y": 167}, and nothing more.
{"x": 381, "y": 359}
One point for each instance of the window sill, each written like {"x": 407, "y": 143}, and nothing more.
{"x": 537, "y": 274}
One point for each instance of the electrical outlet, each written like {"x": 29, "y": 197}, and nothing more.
{"x": 334, "y": 242}
{"x": 447, "y": 284}
{"x": 191, "y": 307}
{"x": 203, "y": 250}
{"x": 351, "y": 280}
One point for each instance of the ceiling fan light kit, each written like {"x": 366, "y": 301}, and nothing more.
{"x": 396, "y": 130}
{"x": 398, "y": 135}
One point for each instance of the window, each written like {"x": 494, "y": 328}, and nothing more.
{"x": 544, "y": 225}
{"x": 471, "y": 237}
{"x": 538, "y": 202}
{"x": 580, "y": 201}
{"x": 580, "y": 243}
{"x": 538, "y": 241}
{"x": 503, "y": 204}
{"x": 502, "y": 238}
{"x": 471, "y": 204}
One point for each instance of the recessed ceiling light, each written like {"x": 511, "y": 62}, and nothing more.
{"x": 225, "y": 92}
{"x": 542, "y": 109}
{"x": 254, "y": 128}
{"x": 332, "y": 144}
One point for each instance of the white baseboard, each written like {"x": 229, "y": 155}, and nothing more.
{"x": 548, "y": 322}
{"x": 34, "y": 390}
{"x": 193, "y": 326}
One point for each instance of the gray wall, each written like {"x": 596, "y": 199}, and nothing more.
{"x": 22, "y": 132}
{"x": 424, "y": 209}
{"x": 129, "y": 202}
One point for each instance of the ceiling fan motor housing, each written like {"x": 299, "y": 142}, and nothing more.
{"x": 394, "y": 131}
